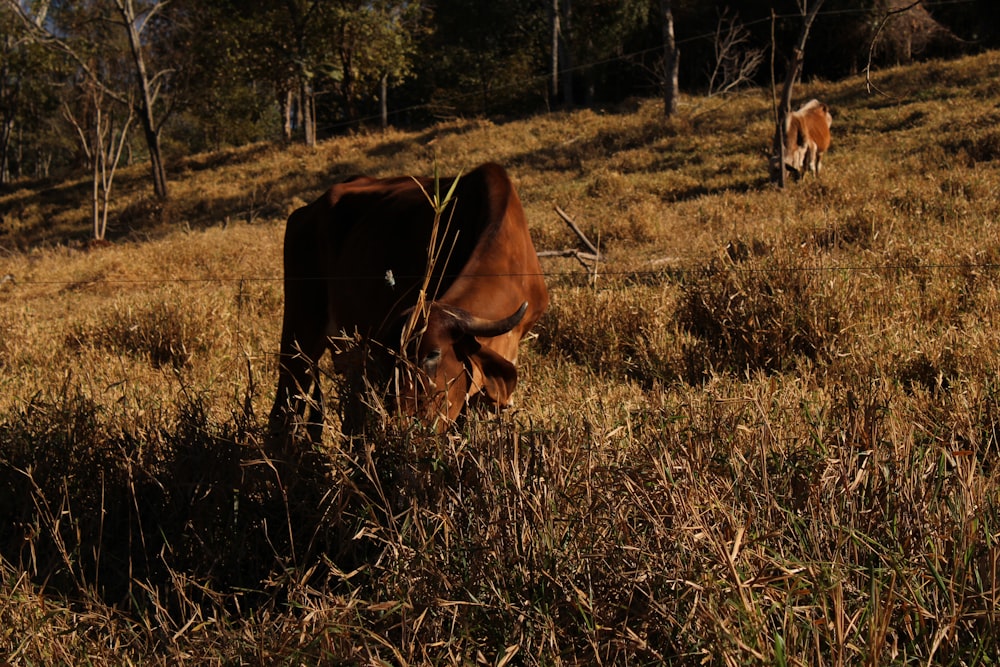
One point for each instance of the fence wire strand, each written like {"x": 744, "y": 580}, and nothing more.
{"x": 667, "y": 270}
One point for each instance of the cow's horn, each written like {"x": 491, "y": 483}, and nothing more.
{"x": 479, "y": 326}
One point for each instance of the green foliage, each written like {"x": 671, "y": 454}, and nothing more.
{"x": 483, "y": 59}
{"x": 29, "y": 106}
{"x": 231, "y": 73}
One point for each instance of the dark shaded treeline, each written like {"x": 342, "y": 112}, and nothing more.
{"x": 232, "y": 72}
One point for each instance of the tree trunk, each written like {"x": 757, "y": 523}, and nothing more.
{"x": 565, "y": 57}
{"x": 5, "y": 133}
{"x": 308, "y": 116}
{"x": 348, "y": 87}
{"x": 147, "y": 99}
{"x": 157, "y": 169}
{"x": 384, "y": 102}
{"x": 287, "y": 102}
{"x": 671, "y": 60}
{"x": 785, "y": 105}
{"x": 554, "y": 23}
{"x": 8, "y": 97}
{"x": 95, "y": 193}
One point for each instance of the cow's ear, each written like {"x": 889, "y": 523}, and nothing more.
{"x": 493, "y": 374}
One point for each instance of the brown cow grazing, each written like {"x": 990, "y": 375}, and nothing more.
{"x": 807, "y": 137}
{"x": 356, "y": 262}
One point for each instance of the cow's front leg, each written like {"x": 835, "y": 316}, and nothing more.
{"x": 297, "y": 413}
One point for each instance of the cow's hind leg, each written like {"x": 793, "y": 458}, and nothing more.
{"x": 810, "y": 162}
{"x": 297, "y": 413}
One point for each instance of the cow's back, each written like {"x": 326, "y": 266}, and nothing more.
{"x": 817, "y": 121}
{"x": 366, "y": 239}
{"x": 807, "y": 136}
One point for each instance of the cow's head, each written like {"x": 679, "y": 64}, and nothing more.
{"x": 445, "y": 365}
{"x": 796, "y": 148}
{"x": 787, "y": 162}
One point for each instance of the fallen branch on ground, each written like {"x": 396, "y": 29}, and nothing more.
{"x": 576, "y": 230}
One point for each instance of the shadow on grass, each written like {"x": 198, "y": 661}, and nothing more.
{"x": 674, "y": 152}
{"x": 222, "y": 158}
{"x": 121, "y": 513}
{"x": 48, "y": 213}
{"x": 66, "y": 196}
{"x": 426, "y": 138}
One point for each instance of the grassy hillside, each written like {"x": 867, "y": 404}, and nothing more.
{"x": 765, "y": 433}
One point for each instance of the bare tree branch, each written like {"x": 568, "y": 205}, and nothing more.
{"x": 735, "y": 63}
{"x": 149, "y": 87}
{"x": 871, "y": 47}
{"x": 102, "y": 145}
{"x": 576, "y": 230}
{"x": 780, "y": 127}
{"x": 671, "y": 60}
{"x": 36, "y": 31}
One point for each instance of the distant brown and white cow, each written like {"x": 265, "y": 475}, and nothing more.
{"x": 355, "y": 262}
{"x": 807, "y": 138}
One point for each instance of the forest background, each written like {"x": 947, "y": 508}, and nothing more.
{"x": 93, "y": 80}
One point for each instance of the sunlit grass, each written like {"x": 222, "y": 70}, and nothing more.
{"x": 765, "y": 431}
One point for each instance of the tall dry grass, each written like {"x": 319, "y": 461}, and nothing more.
{"x": 764, "y": 433}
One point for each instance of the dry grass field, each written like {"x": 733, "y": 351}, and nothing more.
{"x": 766, "y": 432}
